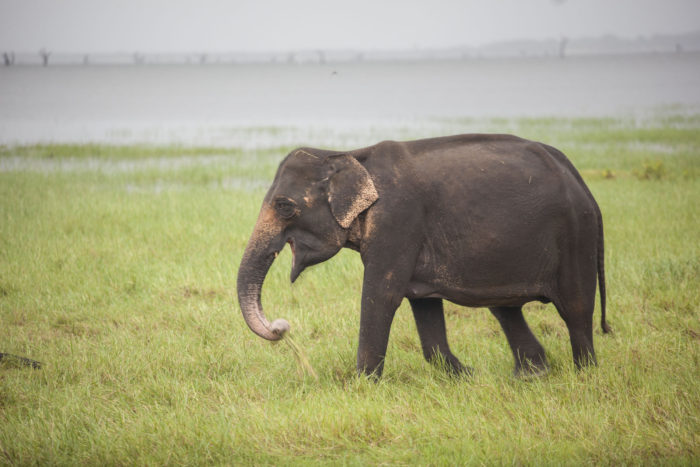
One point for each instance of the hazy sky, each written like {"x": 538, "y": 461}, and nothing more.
{"x": 277, "y": 25}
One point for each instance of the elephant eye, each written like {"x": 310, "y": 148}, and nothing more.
{"x": 286, "y": 208}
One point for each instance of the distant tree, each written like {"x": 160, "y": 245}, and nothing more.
{"x": 45, "y": 54}
{"x": 321, "y": 57}
{"x": 202, "y": 59}
{"x": 86, "y": 59}
{"x": 8, "y": 58}
{"x": 138, "y": 58}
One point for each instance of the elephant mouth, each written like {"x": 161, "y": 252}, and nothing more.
{"x": 296, "y": 267}
{"x": 306, "y": 251}
{"x": 300, "y": 257}
{"x": 290, "y": 241}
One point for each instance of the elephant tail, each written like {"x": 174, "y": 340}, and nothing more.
{"x": 601, "y": 273}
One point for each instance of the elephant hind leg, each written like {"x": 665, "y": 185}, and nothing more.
{"x": 578, "y": 317}
{"x": 430, "y": 321}
{"x": 575, "y": 292}
{"x": 527, "y": 351}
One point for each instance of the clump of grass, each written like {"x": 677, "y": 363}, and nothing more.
{"x": 608, "y": 174}
{"x": 15, "y": 361}
{"x": 651, "y": 171}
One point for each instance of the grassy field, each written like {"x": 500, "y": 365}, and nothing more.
{"x": 118, "y": 268}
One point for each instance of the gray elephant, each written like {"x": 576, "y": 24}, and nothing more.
{"x": 480, "y": 220}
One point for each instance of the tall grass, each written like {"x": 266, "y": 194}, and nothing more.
{"x": 117, "y": 272}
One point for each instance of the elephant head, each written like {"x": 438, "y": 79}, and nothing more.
{"x": 313, "y": 201}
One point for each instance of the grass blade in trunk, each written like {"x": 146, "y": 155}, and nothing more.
{"x": 300, "y": 356}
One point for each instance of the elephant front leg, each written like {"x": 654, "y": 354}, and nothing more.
{"x": 375, "y": 324}
{"x": 389, "y": 254}
{"x": 430, "y": 321}
{"x": 527, "y": 351}
{"x": 382, "y": 293}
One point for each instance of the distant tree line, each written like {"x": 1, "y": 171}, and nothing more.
{"x": 9, "y": 57}
{"x": 563, "y": 47}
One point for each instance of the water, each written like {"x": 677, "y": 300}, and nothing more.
{"x": 280, "y": 104}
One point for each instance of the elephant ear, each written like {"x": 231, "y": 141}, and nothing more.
{"x": 350, "y": 189}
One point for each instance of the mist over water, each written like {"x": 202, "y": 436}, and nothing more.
{"x": 274, "y": 104}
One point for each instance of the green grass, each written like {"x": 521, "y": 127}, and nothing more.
{"x": 117, "y": 271}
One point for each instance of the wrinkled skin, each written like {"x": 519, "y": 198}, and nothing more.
{"x": 480, "y": 220}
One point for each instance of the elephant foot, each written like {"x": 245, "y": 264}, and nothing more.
{"x": 462, "y": 371}
{"x": 529, "y": 369}
{"x": 450, "y": 364}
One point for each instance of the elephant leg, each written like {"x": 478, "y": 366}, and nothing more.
{"x": 430, "y": 321}
{"x": 389, "y": 265}
{"x": 375, "y": 324}
{"x": 579, "y": 322}
{"x": 527, "y": 351}
{"x": 575, "y": 294}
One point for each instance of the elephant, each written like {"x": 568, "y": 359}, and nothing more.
{"x": 480, "y": 220}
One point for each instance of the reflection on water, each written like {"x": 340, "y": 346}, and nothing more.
{"x": 281, "y": 104}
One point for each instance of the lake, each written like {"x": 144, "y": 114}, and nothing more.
{"x": 255, "y": 105}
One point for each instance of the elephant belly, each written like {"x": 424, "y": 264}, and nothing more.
{"x": 485, "y": 296}
{"x": 484, "y": 280}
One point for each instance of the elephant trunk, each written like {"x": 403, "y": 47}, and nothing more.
{"x": 257, "y": 259}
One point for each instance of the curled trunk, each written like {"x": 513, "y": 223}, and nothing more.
{"x": 257, "y": 259}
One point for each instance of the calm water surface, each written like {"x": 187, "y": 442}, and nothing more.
{"x": 259, "y": 105}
